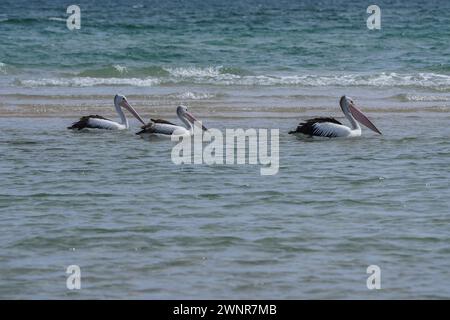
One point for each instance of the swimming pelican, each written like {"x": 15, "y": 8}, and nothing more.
{"x": 166, "y": 128}
{"x": 331, "y": 128}
{"x": 99, "y": 122}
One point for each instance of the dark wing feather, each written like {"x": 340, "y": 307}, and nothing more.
{"x": 84, "y": 122}
{"x": 162, "y": 121}
{"x": 150, "y": 128}
{"x": 308, "y": 127}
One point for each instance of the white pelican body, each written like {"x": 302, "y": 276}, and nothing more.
{"x": 331, "y": 128}
{"x": 99, "y": 122}
{"x": 164, "y": 128}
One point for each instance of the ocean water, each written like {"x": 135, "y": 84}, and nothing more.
{"x": 140, "y": 226}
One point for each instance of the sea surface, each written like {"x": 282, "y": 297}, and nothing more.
{"x": 140, "y": 226}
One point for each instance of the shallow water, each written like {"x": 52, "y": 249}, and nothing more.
{"x": 141, "y": 227}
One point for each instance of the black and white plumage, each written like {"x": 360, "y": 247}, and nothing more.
{"x": 162, "y": 121}
{"x": 99, "y": 122}
{"x": 88, "y": 122}
{"x": 164, "y": 128}
{"x": 324, "y": 127}
{"x": 331, "y": 128}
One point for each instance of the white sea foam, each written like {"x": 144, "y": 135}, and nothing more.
{"x": 377, "y": 80}
{"x": 193, "y": 72}
{"x": 194, "y": 95}
{"x": 2, "y": 68}
{"x": 57, "y": 19}
{"x": 215, "y": 76}
{"x": 121, "y": 69}
{"x": 427, "y": 98}
{"x": 89, "y": 82}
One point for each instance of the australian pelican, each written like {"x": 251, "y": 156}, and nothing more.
{"x": 331, "y": 128}
{"x": 164, "y": 128}
{"x": 99, "y": 122}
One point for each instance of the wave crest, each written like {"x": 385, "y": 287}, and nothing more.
{"x": 188, "y": 95}
{"x": 420, "y": 98}
{"x": 150, "y": 76}
{"x": 88, "y": 82}
{"x": 3, "y": 68}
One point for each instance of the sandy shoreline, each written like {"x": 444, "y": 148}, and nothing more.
{"x": 230, "y": 103}
{"x": 204, "y": 109}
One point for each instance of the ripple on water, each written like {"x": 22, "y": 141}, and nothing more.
{"x": 116, "y": 204}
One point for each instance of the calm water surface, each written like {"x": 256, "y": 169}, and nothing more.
{"x": 141, "y": 227}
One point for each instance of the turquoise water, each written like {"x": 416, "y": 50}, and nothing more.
{"x": 161, "y": 40}
{"x": 141, "y": 227}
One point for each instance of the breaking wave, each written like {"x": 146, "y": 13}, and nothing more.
{"x": 151, "y": 76}
{"x": 57, "y": 19}
{"x": 188, "y": 95}
{"x": 422, "y": 98}
{"x": 88, "y": 82}
{"x": 2, "y": 68}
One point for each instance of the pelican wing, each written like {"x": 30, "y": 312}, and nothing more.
{"x": 162, "y": 121}
{"x": 161, "y": 129}
{"x": 322, "y": 127}
{"x": 93, "y": 121}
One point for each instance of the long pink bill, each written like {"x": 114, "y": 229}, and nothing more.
{"x": 195, "y": 121}
{"x": 134, "y": 112}
{"x": 361, "y": 118}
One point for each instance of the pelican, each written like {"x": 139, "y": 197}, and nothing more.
{"x": 99, "y": 122}
{"x": 331, "y": 128}
{"x": 164, "y": 128}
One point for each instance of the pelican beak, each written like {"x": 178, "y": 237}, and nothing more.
{"x": 127, "y": 106}
{"x": 361, "y": 118}
{"x": 194, "y": 120}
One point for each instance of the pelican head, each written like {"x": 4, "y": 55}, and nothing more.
{"x": 121, "y": 101}
{"x": 184, "y": 114}
{"x": 348, "y": 108}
